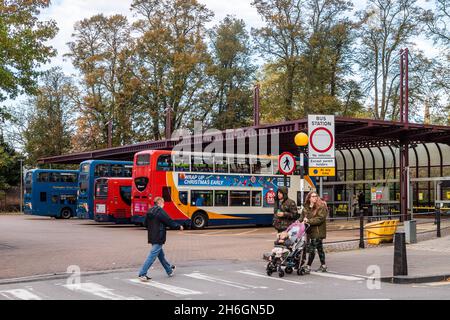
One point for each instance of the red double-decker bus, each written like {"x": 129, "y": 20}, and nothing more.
{"x": 205, "y": 189}
{"x": 112, "y": 200}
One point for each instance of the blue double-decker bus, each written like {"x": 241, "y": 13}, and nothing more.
{"x": 51, "y": 193}
{"x": 91, "y": 170}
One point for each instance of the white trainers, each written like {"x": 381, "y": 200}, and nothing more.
{"x": 173, "y": 271}
{"x": 144, "y": 278}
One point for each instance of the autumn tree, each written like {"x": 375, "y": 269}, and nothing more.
{"x": 232, "y": 74}
{"x": 50, "y": 125}
{"x": 281, "y": 42}
{"x": 309, "y": 44}
{"x": 386, "y": 27}
{"x": 171, "y": 62}
{"x": 23, "y": 45}
{"x": 327, "y": 59}
{"x": 101, "y": 51}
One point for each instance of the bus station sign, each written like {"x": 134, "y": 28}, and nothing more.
{"x": 321, "y": 149}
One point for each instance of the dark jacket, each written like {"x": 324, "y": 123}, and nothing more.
{"x": 317, "y": 222}
{"x": 289, "y": 207}
{"x": 156, "y": 222}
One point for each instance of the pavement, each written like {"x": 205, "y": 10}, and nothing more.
{"x": 33, "y": 246}
{"x": 213, "y": 280}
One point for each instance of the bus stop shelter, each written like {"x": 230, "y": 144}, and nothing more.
{"x": 351, "y": 134}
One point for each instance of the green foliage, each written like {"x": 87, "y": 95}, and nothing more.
{"x": 23, "y": 46}
{"x": 9, "y": 166}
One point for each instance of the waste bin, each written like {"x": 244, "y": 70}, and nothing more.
{"x": 381, "y": 231}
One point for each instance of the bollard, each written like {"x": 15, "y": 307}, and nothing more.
{"x": 400, "y": 260}
{"x": 411, "y": 231}
{"x": 361, "y": 230}
{"x": 438, "y": 222}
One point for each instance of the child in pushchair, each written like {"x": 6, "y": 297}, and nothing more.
{"x": 288, "y": 251}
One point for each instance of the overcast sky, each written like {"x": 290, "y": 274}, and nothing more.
{"x": 67, "y": 12}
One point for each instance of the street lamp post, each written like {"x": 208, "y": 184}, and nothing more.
{"x": 301, "y": 141}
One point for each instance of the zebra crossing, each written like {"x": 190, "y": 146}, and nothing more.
{"x": 187, "y": 284}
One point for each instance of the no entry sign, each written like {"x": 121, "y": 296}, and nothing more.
{"x": 321, "y": 137}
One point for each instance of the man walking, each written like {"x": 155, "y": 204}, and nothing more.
{"x": 156, "y": 221}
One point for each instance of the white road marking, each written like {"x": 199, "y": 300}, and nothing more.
{"x": 336, "y": 276}
{"x": 369, "y": 299}
{"x": 21, "y": 294}
{"x": 437, "y": 284}
{"x": 167, "y": 287}
{"x": 211, "y": 233}
{"x": 98, "y": 291}
{"x": 246, "y": 232}
{"x": 201, "y": 276}
{"x": 256, "y": 274}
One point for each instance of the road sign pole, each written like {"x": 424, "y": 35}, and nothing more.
{"x": 302, "y": 173}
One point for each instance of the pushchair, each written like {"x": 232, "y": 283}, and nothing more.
{"x": 292, "y": 255}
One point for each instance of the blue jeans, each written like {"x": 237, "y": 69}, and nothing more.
{"x": 156, "y": 252}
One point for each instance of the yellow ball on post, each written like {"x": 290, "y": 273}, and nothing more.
{"x": 301, "y": 139}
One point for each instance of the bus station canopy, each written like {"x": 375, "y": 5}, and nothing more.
{"x": 351, "y": 133}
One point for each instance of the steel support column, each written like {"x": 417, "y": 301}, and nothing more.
{"x": 428, "y": 173}
{"x": 404, "y": 177}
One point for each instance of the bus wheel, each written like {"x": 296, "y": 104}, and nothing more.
{"x": 66, "y": 213}
{"x": 199, "y": 220}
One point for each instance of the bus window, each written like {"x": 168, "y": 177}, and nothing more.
{"x": 83, "y": 184}
{"x": 128, "y": 171}
{"x": 143, "y": 160}
{"x": 183, "y": 195}
{"x": 102, "y": 170}
{"x": 221, "y": 165}
{"x": 68, "y": 177}
{"x": 275, "y": 166}
{"x": 55, "y": 177}
{"x": 181, "y": 163}
{"x": 141, "y": 183}
{"x": 167, "y": 194}
{"x": 256, "y": 198}
{"x": 261, "y": 166}
{"x": 202, "y": 164}
{"x": 240, "y": 198}
{"x": 28, "y": 182}
{"x": 221, "y": 198}
{"x": 239, "y": 165}
{"x": 117, "y": 170}
{"x": 164, "y": 163}
{"x": 101, "y": 190}
{"x": 201, "y": 198}
{"x": 85, "y": 168}
{"x": 68, "y": 199}
{"x": 43, "y": 196}
{"x": 54, "y": 199}
{"x": 125, "y": 194}
{"x": 43, "y": 177}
